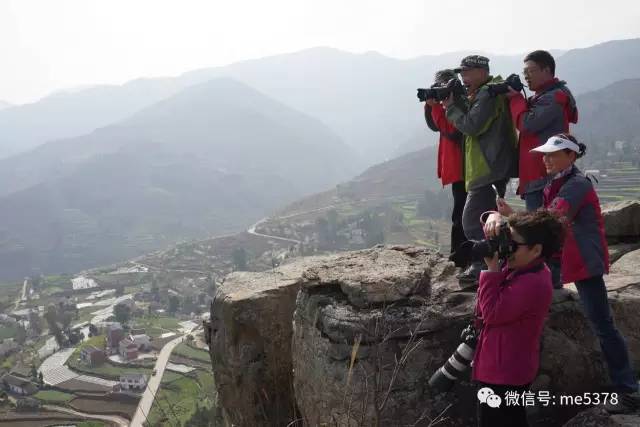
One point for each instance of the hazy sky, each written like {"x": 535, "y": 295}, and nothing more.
{"x": 51, "y": 44}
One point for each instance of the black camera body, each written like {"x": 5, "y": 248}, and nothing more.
{"x": 501, "y": 244}
{"x": 477, "y": 250}
{"x": 513, "y": 82}
{"x": 442, "y": 92}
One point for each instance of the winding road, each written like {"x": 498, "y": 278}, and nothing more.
{"x": 252, "y": 230}
{"x": 144, "y": 407}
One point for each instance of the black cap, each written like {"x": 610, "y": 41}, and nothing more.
{"x": 473, "y": 61}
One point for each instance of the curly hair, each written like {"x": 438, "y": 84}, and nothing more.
{"x": 540, "y": 227}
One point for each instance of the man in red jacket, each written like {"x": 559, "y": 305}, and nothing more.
{"x": 449, "y": 159}
{"x": 548, "y": 112}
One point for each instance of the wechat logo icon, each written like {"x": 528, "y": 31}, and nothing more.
{"x": 486, "y": 395}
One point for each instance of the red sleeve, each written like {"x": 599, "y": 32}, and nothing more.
{"x": 501, "y": 305}
{"x": 439, "y": 116}
{"x": 517, "y": 105}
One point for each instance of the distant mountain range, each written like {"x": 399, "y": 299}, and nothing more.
{"x": 210, "y": 159}
{"x": 367, "y": 99}
{"x": 611, "y": 113}
{"x": 133, "y": 168}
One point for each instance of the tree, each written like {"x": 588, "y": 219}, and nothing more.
{"x": 122, "y": 313}
{"x": 65, "y": 318}
{"x": 322, "y": 228}
{"x": 40, "y": 378}
{"x": 51, "y": 316}
{"x": 155, "y": 290}
{"x": 174, "y": 303}
{"x": 239, "y": 256}
{"x": 93, "y": 330}
{"x": 35, "y": 323}
{"x": 21, "y": 335}
{"x": 202, "y": 417}
{"x": 188, "y": 306}
{"x": 75, "y": 337}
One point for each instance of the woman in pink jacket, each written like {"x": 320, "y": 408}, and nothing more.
{"x": 513, "y": 302}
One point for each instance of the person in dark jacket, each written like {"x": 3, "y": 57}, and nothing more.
{"x": 490, "y": 141}
{"x": 449, "y": 160}
{"x": 513, "y": 302}
{"x": 584, "y": 257}
{"x": 548, "y": 112}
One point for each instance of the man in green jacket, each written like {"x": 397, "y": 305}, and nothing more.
{"x": 490, "y": 145}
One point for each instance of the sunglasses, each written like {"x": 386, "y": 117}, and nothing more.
{"x": 514, "y": 245}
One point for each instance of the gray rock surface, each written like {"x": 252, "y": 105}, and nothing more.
{"x": 282, "y": 342}
{"x": 249, "y": 337}
{"x": 621, "y": 221}
{"x": 597, "y": 417}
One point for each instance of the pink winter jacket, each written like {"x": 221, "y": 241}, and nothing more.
{"x": 513, "y": 306}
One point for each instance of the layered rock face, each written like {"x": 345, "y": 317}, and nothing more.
{"x": 352, "y": 339}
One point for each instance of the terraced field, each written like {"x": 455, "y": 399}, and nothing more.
{"x": 620, "y": 183}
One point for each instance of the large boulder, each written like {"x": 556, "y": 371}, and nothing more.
{"x": 352, "y": 339}
{"x": 249, "y": 337}
{"x": 621, "y": 221}
{"x": 361, "y": 360}
{"x": 598, "y": 417}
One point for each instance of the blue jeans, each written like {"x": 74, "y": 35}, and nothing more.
{"x": 533, "y": 200}
{"x": 593, "y": 296}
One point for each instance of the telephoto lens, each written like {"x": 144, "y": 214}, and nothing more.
{"x": 445, "y": 377}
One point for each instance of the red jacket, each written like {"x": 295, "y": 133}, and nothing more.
{"x": 584, "y": 252}
{"x": 449, "y": 147}
{"x": 545, "y": 114}
{"x": 513, "y": 306}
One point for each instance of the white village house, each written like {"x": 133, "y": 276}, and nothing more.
{"x": 133, "y": 382}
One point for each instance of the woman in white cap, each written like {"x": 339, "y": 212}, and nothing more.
{"x": 585, "y": 257}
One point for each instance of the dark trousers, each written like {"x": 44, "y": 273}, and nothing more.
{"x": 593, "y": 296}
{"x": 479, "y": 201}
{"x": 504, "y": 415}
{"x": 457, "y": 232}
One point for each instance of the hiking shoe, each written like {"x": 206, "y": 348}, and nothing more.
{"x": 626, "y": 402}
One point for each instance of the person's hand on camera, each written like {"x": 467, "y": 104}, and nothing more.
{"x": 503, "y": 207}
{"x": 492, "y": 225}
{"x": 449, "y": 101}
{"x": 493, "y": 264}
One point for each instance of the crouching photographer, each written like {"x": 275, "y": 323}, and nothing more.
{"x": 513, "y": 300}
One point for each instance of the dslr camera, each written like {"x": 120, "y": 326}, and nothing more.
{"x": 513, "y": 81}
{"x": 476, "y": 250}
{"x": 442, "y": 92}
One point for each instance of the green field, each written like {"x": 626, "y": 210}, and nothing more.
{"x": 161, "y": 322}
{"x": 53, "y": 396}
{"x": 185, "y": 350}
{"x": 90, "y": 424}
{"x": 176, "y": 402}
{"x": 7, "y": 332}
{"x": 106, "y": 370}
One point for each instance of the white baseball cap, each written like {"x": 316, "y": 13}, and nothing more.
{"x": 557, "y": 143}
